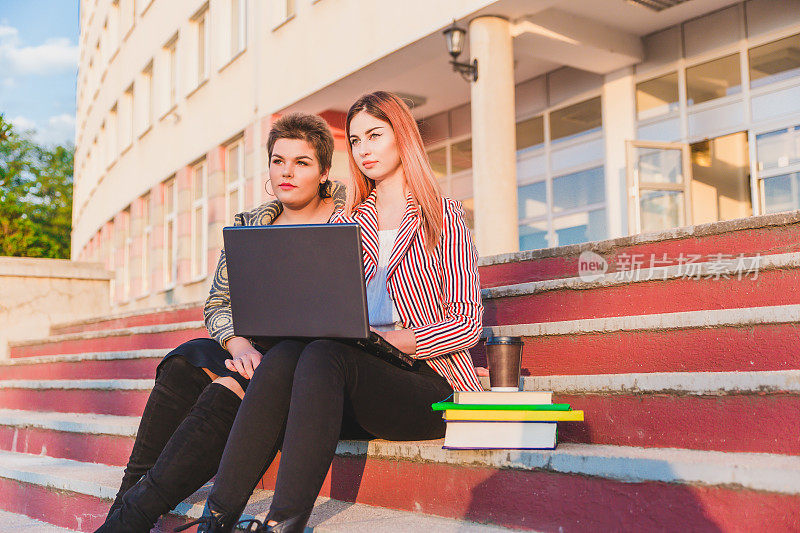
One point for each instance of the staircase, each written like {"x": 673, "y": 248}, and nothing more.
{"x": 683, "y": 349}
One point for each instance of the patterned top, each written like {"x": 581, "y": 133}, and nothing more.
{"x": 437, "y": 294}
{"x": 217, "y": 310}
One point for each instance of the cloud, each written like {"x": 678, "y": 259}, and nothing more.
{"x": 51, "y": 57}
{"x": 23, "y": 123}
{"x": 59, "y": 129}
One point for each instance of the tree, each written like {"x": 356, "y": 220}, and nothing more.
{"x": 35, "y": 196}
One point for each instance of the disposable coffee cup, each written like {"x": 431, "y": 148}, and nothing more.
{"x": 504, "y": 356}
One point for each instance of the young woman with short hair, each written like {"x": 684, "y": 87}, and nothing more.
{"x": 199, "y": 384}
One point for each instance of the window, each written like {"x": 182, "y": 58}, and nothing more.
{"x": 578, "y": 190}
{"x": 170, "y": 233}
{"x": 656, "y": 97}
{"x": 110, "y": 250}
{"x": 778, "y": 149}
{"x": 126, "y": 132}
{"x": 104, "y": 146}
{"x": 580, "y": 227}
{"x": 461, "y": 156}
{"x": 147, "y": 97}
{"x": 713, "y": 79}
{"x": 290, "y": 8}
{"x": 238, "y": 26}
{"x": 113, "y": 137}
{"x": 532, "y": 200}
{"x": 781, "y": 193}
{"x": 530, "y": 133}
{"x": 171, "y": 53}
{"x": 580, "y": 118}
{"x": 203, "y": 57}
{"x": 199, "y": 220}
{"x": 235, "y": 179}
{"x": 774, "y": 61}
{"x": 778, "y": 169}
{"x": 147, "y": 241}
{"x": 126, "y": 254}
{"x": 438, "y": 160}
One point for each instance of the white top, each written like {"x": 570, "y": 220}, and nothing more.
{"x": 382, "y": 310}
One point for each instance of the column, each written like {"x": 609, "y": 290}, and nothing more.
{"x": 619, "y": 125}
{"x": 494, "y": 165}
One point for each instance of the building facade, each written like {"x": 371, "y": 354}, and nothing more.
{"x": 588, "y": 120}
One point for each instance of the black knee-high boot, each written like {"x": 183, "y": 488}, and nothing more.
{"x": 177, "y": 387}
{"x": 189, "y": 460}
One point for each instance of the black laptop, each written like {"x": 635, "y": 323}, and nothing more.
{"x": 304, "y": 282}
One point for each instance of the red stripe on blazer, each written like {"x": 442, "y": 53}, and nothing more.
{"x": 437, "y": 295}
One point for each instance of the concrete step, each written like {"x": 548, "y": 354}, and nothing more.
{"x": 124, "y": 397}
{"x": 729, "y": 340}
{"x": 15, "y": 523}
{"x": 131, "y": 364}
{"x": 77, "y": 495}
{"x": 90, "y": 438}
{"x": 190, "y": 312}
{"x": 165, "y": 336}
{"x": 736, "y": 412}
{"x": 766, "y": 234}
{"x": 768, "y": 280}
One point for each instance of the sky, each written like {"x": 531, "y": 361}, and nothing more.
{"x": 39, "y": 65}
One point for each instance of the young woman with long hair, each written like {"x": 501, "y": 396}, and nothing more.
{"x": 423, "y": 295}
{"x": 199, "y": 384}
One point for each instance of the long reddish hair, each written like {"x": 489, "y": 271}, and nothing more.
{"x": 417, "y": 170}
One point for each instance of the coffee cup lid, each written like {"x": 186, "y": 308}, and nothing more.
{"x": 504, "y": 340}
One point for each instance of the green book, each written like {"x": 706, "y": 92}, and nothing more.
{"x": 443, "y": 406}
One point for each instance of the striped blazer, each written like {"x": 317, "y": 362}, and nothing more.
{"x": 437, "y": 295}
{"x": 217, "y": 310}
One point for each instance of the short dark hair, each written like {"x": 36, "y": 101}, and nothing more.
{"x": 307, "y": 127}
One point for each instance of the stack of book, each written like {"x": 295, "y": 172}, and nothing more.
{"x": 525, "y": 420}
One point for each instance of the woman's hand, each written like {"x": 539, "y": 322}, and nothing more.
{"x": 245, "y": 358}
{"x": 402, "y": 339}
{"x": 482, "y": 371}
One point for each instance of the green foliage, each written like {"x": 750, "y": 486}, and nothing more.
{"x": 35, "y": 196}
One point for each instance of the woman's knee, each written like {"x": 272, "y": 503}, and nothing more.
{"x": 282, "y": 358}
{"x": 322, "y": 355}
{"x": 231, "y": 384}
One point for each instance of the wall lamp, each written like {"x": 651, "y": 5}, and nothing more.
{"x": 454, "y": 37}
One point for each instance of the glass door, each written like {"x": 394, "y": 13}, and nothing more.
{"x": 659, "y": 177}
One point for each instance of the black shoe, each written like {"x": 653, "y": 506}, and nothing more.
{"x": 295, "y": 524}
{"x": 214, "y": 520}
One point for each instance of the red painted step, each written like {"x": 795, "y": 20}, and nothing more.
{"x": 61, "y": 508}
{"x": 759, "y": 423}
{"x": 770, "y": 287}
{"x": 716, "y": 349}
{"x": 113, "y": 342}
{"x": 548, "y": 501}
{"x": 138, "y": 368}
{"x": 166, "y": 316}
{"x": 105, "y": 402}
{"x": 85, "y": 447}
{"x": 555, "y": 263}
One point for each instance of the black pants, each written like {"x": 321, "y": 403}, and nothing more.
{"x": 332, "y": 389}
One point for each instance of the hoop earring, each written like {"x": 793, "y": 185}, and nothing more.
{"x": 268, "y": 182}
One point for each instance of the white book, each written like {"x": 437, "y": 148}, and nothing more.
{"x": 527, "y": 397}
{"x": 500, "y": 435}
